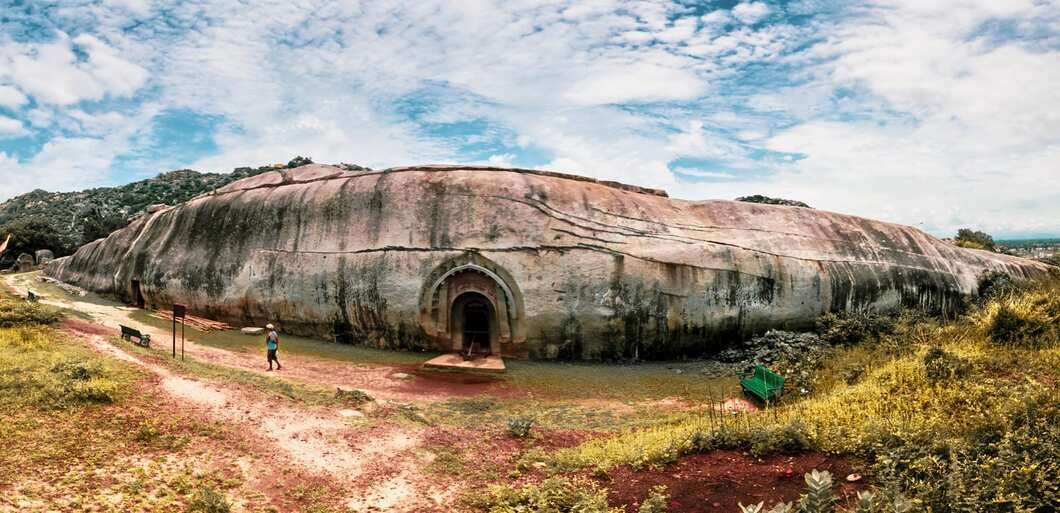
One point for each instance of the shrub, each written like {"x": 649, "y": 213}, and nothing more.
{"x": 38, "y": 371}
{"x": 940, "y": 366}
{"x": 14, "y": 313}
{"x": 1018, "y": 471}
{"x": 790, "y": 438}
{"x": 299, "y": 161}
{"x": 994, "y": 284}
{"x": 208, "y": 500}
{"x": 553, "y": 495}
{"x": 974, "y": 239}
{"x": 780, "y": 507}
{"x": 657, "y": 501}
{"x": 848, "y": 328}
{"x": 352, "y": 397}
{"x": 1010, "y": 465}
{"x": 519, "y": 427}
{"x": 818, "y": 497}
{"x": 1028, "y": 319}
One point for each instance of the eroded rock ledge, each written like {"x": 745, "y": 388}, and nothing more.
{"x": 520, "y": 262}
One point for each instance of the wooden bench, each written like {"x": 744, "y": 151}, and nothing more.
{"x": 764, "y": 384}
{"x": 142, "y": 339}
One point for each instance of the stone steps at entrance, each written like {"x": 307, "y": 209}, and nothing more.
{"x": 456, "y": 362}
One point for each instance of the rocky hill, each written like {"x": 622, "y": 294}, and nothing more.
{"x": 63, "y": 221}
{"x": 520, "y": 262}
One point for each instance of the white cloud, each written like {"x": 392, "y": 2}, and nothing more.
{"x": 640, "y": 82}
{"x": 750, "y": 12}
{"x": 951, "y": 129}
{"x": 52, "y": 73}
{"x": 11, "y": 127}
{"x": 906, "y": 111}
{"x": 11, "y": 97}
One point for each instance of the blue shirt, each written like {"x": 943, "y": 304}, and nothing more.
{"x": 271, "y": 341}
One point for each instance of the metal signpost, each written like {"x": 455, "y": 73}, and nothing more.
{"x": 178, "y": 311}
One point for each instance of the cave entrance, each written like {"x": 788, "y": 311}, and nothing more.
{"x": 137, "y": 295}
{"x": 474, "y": 323}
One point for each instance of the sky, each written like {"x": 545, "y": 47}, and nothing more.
{"x": 939, "y": 114}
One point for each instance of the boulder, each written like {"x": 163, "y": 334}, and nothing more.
{"x": 43, "y": 256}
{"x": 519, "y": 262}
{"x": 24, "y": 262}
{"x": 252, "y": 331}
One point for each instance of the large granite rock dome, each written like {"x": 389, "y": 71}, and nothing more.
{"x": 520, "y": 262}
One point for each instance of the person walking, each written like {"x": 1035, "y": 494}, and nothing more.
{"x": 272, "y": 343}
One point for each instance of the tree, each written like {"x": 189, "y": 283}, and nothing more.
{"x": 28, "y": 236}
{"x": 758, "y": 198}
{"x": 96, "y": 224}
{"x": 974, "y": 239}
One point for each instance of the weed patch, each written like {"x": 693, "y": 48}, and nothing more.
{"x": 957, "y": 416}
{"x": 554, "y": 495}
{"x": 16, "y": 312}
{"x": 208, "y": 500}
{"x": 40, "y": 368}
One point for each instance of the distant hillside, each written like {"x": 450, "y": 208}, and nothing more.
{"x": 63, "y": 221}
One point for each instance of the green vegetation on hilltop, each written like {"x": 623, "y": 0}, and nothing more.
{"x": 974, "y": 239}
{"x": 63, "y": 221}
{"x": 766, "y": 200}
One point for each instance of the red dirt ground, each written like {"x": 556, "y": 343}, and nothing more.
{"x": 454, "y": 384}
{"x": 717, "y": 481}
{"x": 87, "y": 327}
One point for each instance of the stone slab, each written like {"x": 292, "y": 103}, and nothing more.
{"x": 456, "y": 362}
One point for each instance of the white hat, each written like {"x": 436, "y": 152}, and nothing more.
{"x": 269, "y": 326}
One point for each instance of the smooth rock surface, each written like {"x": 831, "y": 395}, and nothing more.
{"x": 564, "y": 266}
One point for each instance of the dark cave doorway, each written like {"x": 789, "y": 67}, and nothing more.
{"x": 137, "y": 295}
{"x": 474, "y": 323}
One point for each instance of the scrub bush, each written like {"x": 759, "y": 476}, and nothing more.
{"x": 941, "y": 366}
{"x": 849, "y": 328}
{"x": 553, "y": 495}
{"x": 208, "y": 500}
{"x": 657, "y": 501}
{"x": 519, "y": 427}
{"x": 16, "y": 312}
{"x": 38, "y": 369}
{"x": 1029, "y": 319}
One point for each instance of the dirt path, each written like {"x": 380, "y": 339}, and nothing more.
{"x": 377, "y": 379}
{"x": 378, "y": 462}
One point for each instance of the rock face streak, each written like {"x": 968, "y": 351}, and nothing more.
{"x": 515, "y": 261}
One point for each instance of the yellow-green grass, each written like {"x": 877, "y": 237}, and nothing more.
{"x": 302, "y": 392}
{"x": 77, "y": 436}
{"x": 891, "y": 396}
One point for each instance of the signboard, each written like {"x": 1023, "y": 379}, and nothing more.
{"x": 179, "y": 311}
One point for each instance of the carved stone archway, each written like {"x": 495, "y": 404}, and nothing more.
{"x": 456, "y": 280}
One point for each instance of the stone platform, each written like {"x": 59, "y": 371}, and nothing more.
{"x": 456, "y": 362}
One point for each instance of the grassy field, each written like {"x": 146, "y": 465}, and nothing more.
{"x": 947, "y": 416}
{"x": 944, "y": 415}
{"x": 77, "y": 436}
{"x": 82, "y": 432}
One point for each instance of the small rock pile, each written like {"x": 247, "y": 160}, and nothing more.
{"x": 73, "y": 290}
{"x": 792, "y": 355}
